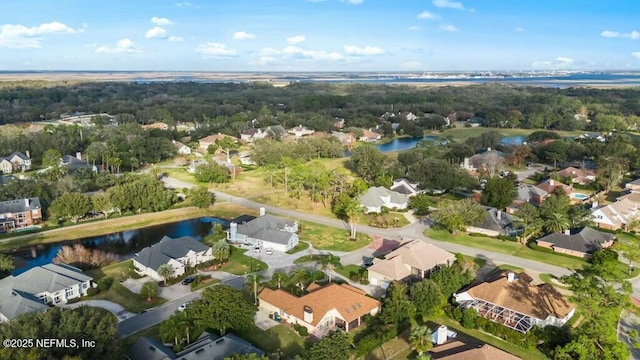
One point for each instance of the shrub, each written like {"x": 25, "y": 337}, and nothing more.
{"x": 469, "y": 319}
{"x": 105, "y": 283}
{"x": 92, "y": 291}
{"x": 302, "y": 331}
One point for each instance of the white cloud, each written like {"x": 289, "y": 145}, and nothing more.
{"x": 363, "y": 51}
{"x": 156, "y": 33}
{"x": 448, "y": 4}
{"x": 634, "y": 35}
{"x": 243, "y": 35}
{"x": 414, "y": 28}
{"x": 216, "y": 50}
{"x": 412, "y": 65}
{"x": 353, "y": 2}
{"x": 175, "y": 39}
{"x": 183, "y": 4}
{"x": 293, "y": 40}
{"x": 559, "y": 63}
{"x": 269, "y": 52}
{"x": 449, "y": 28}
{"x": 122, "y": 46}
{"x": 636, "y": 55}
{"x": 519, "y": 29}
{"x": 311, "y": 54}
{"x": 425, "y": 15}
{"x": 161, "y": 21}
{"x": 20, "y": 36}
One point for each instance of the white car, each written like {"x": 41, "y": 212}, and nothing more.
{"x": 268, "y": 251}
{"x": 256, "y": 249}
{"x": 183, "y": 307}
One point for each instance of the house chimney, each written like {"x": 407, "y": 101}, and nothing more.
{"x": 488, "y": 149}
{"x": 594, "y": 204}
{"x": 441, "y": 335}
{"x": 499, "y": 215}
{"x": 466, "y": 163}
{"x": 28, "y": 154}
{"x": 262, "y": 211}
{"x": 79, "y": 155}
{"x": 26, "y": 202}
{"x": 552, "y": 182}
{"x": 567, "y": 232}
{"x": 308, "y": 314}
{"x": 233, "y": 230}
{"x": 511, "y": 277}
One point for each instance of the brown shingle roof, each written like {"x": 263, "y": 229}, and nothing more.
{"x": 520, "y": 295}
{"x": 482, "y": 352}
{"x": 415, "y": 253}
{"x": 351, "y": 304}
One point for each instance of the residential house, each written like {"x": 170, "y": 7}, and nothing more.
{"x": 405, "y": 186}
{"x": 347, "y": 139}
{"x": 207, "y": 141}
{"x": 633, "y": 185}
{"x": 512, "y": 300}
{"x": 193, "y": 166}
{"x": 495, "y": 222}
{"x": 409, "y": 115}
{"x": 156, "y": 125}
{"x": 245, "y": 158}
{"x": 19, "y": 162}
{"x": 275, "y": 131}
{"x": 179, "y": 253}
{"x": 251, "y": 134}
{"x": 489, "y": 161}
{"x": 617, "y": 215}
{"x": 414, "y": 258}
{"x": 265, "y": 231}
{"x": 376, "y": 197}
{"x": 475, "y": 121}
{"x": 300, "y": 131}
{"x": 581, "y": 242}
{"x": 549, "y": 185}
{"x": 181, "y": 148}
{"x": 32, "y": 290}
{"x": 324, "y": 308}
{"x": 75, "y": 163}
{"x": 449, "y": 345}
{"x": 527, "y": 194}
{"x": 369, "y": 136}
{"x": 20, "y": 213}
{"x": 577, "y": 176}
{"x": 208, "y": 346}
{"x": 338, "y": 123}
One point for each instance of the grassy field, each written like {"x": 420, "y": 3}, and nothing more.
{"x": 505, "y": 247}
{"x": 109, "y": 226}
{"x": 240, "y": 264}
{"x": 346, "y": 270}
{"x": 329, "y": 238}
{"x": 310, "y": 258}
{"x": 278, "y": 338}
{"x": 463, "y": 133}
{"x": 129, "y": 300}
{"x": 302, "y": 246}
{"x": 118, "y": 271}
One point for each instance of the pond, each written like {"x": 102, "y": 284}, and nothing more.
{"x": 124, "y": 244}
{"x": 512, "y": 140}
{"x": 404, "y": 143}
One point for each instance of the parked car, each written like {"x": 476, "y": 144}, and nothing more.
{"x": 183, "y": 307}
{"x": 256, "y": 249}
{"x": 367, "y": 261}
{"x": 268, "y": 251}
{"x": 188, "y": 280}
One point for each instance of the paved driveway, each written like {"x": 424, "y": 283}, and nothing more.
{"x": 112, "y": 307}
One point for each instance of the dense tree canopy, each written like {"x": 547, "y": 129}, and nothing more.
{"x": 222, "y": 308}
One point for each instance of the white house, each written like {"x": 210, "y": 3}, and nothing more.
{"x": 510, "y": 299}
{"x": 376, "y": 197}
{"x": 265, "y": 231}
{"x": 405, "y": 186}
{"x": 179, "y": 253}
{"x": 323, "y": 309}
{"x": 182, "y": 148}
{"x": 300, "y": 131}
{"x": 617, "y": 215}
{"x": 32, "y": 290}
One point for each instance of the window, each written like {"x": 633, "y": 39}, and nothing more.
{"x": 68, "y": 292}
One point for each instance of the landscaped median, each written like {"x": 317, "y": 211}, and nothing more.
{"x": 324, "y": 237}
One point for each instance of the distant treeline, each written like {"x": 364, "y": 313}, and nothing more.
{"x": 229, "y": 108}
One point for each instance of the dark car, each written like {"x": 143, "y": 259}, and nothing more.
{"x": 367, "y": 261}
{"x": 188, "y": 280}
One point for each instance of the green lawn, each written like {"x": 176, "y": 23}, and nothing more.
{"x": 505, "y": 247}
{"x": 310, "y": 258}
{"x": 118, "y": 271}
{"x": 389, "y": 220}
{"x": 463, "y": 133}
{"x": 204, "y": 282}
{"x": 278, "y": 338}
{"x": 129, "y": 300}
{"x": 526, "y": 354}
{"x": 329, "y": 238}
{"x": 346, "y": 270}
{"x": 241, "y": 264}
{"x": 302, "y": 245}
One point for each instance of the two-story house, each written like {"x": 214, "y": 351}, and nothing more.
{"x": 265, "y": 231}
{"x": 15, "y": 162}
{"x": 20, "y": 213}
{"x": 179, "y": 253}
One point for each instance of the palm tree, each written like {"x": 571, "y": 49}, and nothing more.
{"x": 226, "y": 144}
{"x": 165, "y": 271}
{"x": 221, "y": 250}
{"x": 254, "y": 280}
{"x": 6, "y": 263}
{"x": 183, "y": 324}
{"x": 329, "y": 263}
{"x": 556, "y": 223}
{"x": 279, "y": 277}
{"x": 353, "y": 209}
{"x": 299, "y": 276}
{"x": 169, "y": 329}
{"x": 420, "y": 339}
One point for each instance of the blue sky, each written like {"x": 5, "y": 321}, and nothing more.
{"x": 319, "y": 35}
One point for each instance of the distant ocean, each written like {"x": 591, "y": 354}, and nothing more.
{"x": 553, "y": 79}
